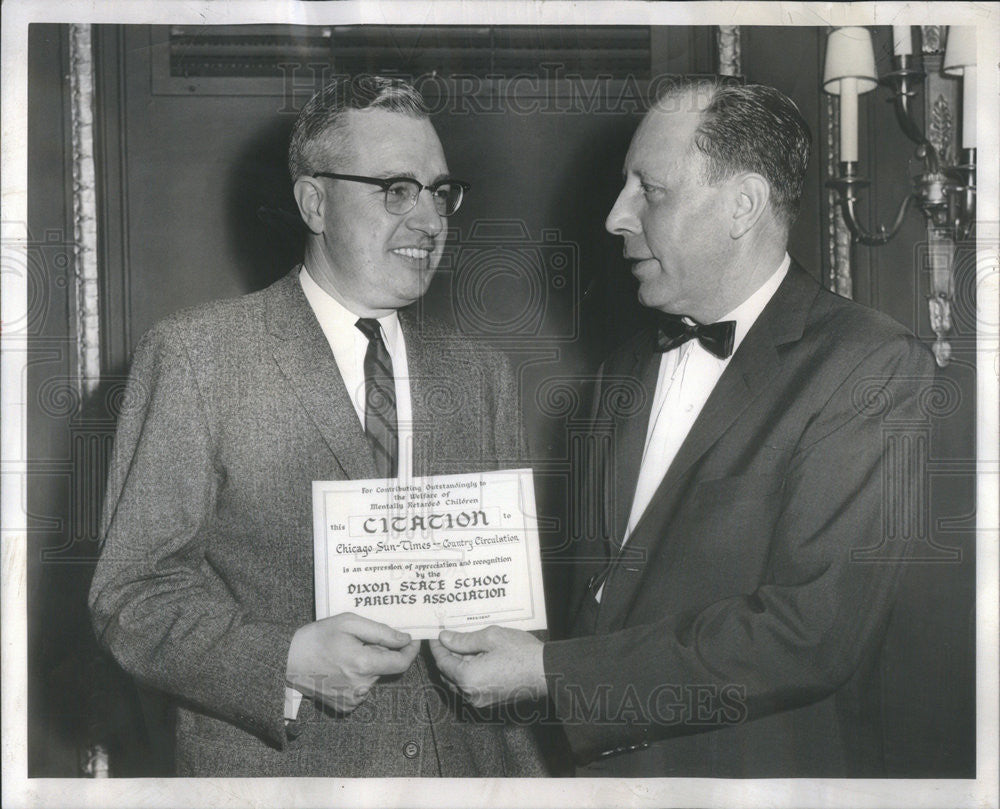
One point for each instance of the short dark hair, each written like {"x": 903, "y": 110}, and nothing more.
{"x": 750, "y": 127}
{"x": 323, "y": 114}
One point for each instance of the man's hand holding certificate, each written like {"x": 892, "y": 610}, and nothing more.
{"x": 492, "y": 665}
{"x": 432, "y": 553}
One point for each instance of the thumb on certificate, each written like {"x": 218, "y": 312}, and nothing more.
{"x": 464, "y": 642}
{"x": 369, "y": 631}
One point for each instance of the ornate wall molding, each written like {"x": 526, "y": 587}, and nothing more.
{"x": 941, "y": 128}
{"x": 727, "y": 40}
{"x": 940, "y": 259}
{"x": 939, "y": 124}
{"x": 85, "y": 269}
{"x": 932, "y": 38}
{"x": 837, "y": 232}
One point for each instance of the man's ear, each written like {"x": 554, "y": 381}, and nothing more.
{"x": 753, "y": 193}
{"x": 310, "y": 196}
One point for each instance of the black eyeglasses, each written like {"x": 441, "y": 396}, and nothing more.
{"x": 401, "y": 192}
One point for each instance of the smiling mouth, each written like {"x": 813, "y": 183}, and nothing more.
{"x": 418, "y": 253}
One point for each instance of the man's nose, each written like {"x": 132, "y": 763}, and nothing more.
{"x": 622, "y": 218}
{"x": 424, "y": 216}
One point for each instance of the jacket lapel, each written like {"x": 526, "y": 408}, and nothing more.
{"x": 420, "y": 368}
{"x": 755, "y": 363}
{"x": 432, "y": 356}
{"x": 630, "y": 438}
{"x": 304, "y": 357}
{"x": 742, "y": 381}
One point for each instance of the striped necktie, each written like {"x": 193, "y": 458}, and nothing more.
{"x": 380, "y": 400}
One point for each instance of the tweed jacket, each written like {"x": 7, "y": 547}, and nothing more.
{"x": 233, "y": 409}
{"x": 739, "y": 628}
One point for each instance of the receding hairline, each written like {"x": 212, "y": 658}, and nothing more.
{"x": 702, "y": 94}
{"x": 666, "y": 101}
{"x": 337, "y": 142}
{"x": 673, "y": 118}
{"x": 315, "y": 129}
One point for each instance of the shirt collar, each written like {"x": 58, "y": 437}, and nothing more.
{"x": 331, "y": 313}
{"x": 746, "y": 313}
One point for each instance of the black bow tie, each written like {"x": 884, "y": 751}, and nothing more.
{"x": 717, "y": 338}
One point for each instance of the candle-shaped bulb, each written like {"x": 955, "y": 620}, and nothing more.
{"x": 969, "y": 108}
{"x": 902, "y": 40}
{"x": 960, "y": 60}
{"x": 849, "y": 120}
{"x": 849, "y": 71}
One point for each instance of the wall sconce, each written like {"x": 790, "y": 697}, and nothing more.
{"x": 945, "y": 194}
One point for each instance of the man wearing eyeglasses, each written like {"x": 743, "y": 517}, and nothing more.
{"x": 205, "y": 585}
{"x": 760, "y": 496}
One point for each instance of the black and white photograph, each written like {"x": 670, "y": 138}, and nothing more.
{"x": 601, "y": 395}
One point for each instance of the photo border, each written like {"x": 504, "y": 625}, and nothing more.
{"x": 18, "y": 790}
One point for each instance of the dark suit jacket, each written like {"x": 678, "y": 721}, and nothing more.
{"x": 738, "y": 630}
{"x": 233, "y": 410}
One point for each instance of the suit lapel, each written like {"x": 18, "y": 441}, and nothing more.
{"x": 420, "y": 369}
{"x": 742, "y": 381}
{"x": 748, "y": 374}
{"x": 630, "y": 438}
{"x": 433, "y": 357}
{"x": 305, "y": 359}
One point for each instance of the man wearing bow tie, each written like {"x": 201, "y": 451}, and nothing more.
{"x": 732, "y": 604}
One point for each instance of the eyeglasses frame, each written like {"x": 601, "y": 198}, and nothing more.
{"x": 386, "y": 183}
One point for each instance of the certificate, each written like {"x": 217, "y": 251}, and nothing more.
{"x": 430, "y": 553}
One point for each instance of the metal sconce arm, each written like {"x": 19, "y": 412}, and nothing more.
{"x": 946, "y": 197}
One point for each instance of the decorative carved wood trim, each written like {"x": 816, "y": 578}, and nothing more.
{"x": 727, "y": 38}
{"x": 942, "y": 95}
{"x": 842, "y": 283}
{"x": 838, "y": 235}
{"x": 85, "y": 269}
{"x": 941, "y": 129}
{"x": 941, "y": 254}
{"x": 932, "y": 38}
{"x": 111, "y": 164}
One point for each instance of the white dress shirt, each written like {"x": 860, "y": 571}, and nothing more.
{"x": 687, "y": 376}
{"x": 349, "y": 345}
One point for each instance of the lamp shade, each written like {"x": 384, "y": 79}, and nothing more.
{"x": 960, "y": 60}
{"x": 849, "y": 55}
{"x": 960, "y": 52}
